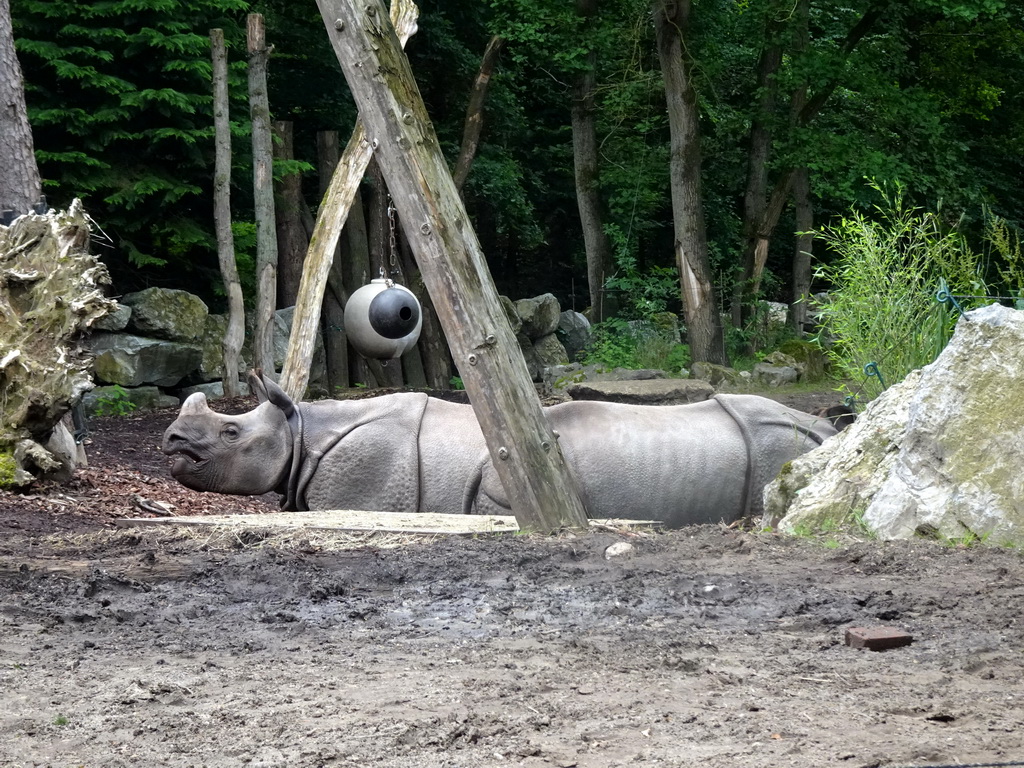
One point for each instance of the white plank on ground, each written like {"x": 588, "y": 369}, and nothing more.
{"x": 356, "y": 520}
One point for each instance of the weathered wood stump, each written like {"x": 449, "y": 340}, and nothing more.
{"x": 51, "y": 291}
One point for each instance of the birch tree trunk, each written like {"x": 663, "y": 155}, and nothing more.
{"x": 542, "y": 490}
{"x": 263, "y": 193}
{"x": 20, "y": 186}
{"x": 703, "y": 322}
{"x": 329, "y": 222}
{"x": 587, "y": 175}
{"x": 235, "y": 334}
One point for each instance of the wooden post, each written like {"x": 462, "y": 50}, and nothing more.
{"x": 543, "y": 493}
{"x": 263, "y": 194}
{"x": 235, "y": 334}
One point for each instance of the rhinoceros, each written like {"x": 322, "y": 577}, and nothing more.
{"x": 407, "y": 452}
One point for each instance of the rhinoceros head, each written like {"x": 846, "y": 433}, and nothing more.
{"x": 248, "y": 454}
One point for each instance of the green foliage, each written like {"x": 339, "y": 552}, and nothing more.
{"x": 617, "y": 343}
{"x": 456, "y": 383}
{"x": 115, "y": 402}
{"x": 120, "y": 103}
{"x": 883, "y": 306}
{"x": 7, "y": 467}
{"x": 1005, "y": 242}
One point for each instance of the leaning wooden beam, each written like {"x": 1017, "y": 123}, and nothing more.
{"x": 543, "y": 493}
{"x": 329, "y": 222}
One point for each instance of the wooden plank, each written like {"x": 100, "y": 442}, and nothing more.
{"x": 531, "y": 467}
{"x": 362, "y": 521}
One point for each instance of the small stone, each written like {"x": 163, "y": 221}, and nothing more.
{"x": 618, "y": 549}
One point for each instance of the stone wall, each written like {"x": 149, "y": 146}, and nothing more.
{"x": 160, "y": 345}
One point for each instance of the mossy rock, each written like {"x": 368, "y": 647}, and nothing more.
{"x": 8, "y": 469}
{"x": 809, "y": 355}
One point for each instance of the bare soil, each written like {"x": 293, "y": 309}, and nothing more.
{"x": 708, "y": 646}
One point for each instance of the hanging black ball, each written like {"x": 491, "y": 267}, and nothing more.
{"x": 394, "y": 313}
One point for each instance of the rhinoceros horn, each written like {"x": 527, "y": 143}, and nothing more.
{"x": 195, "y": 405}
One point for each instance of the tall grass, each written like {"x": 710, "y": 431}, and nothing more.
{"x": 883, "y": 306}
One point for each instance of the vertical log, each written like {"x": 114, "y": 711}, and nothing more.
{"x": 332, "y": 309}
{"x": 543, "y": 493}
{"x": 292, "y": 241}
{"x": 263, "y": 193}
{"x": 235, "y": 334}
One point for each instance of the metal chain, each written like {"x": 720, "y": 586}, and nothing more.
{"x": 392, "y": 245}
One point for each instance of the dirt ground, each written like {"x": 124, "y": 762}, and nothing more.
{"x": 704, "y": 647}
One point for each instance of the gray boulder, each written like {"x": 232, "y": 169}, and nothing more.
{"x": 574, "y": 332}
{"x": 164, "y": 313}
{"x": 282, "y": 330}
{"x": 550, "y": 351}
{"x": 540, "y": 315}
{"x": 715, "y": 375}
{"x": 514, "y": 320}
{"x": 131, "y": 361}
{"x": 938, "y": 454}
{"x": 775, "y": 375}
{"x": 117, "y": 320}
{"x": 212, "y": 390}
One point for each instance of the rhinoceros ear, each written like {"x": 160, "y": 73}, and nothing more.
{"x": 255, "y": 379}
{"x": 273, "y": 394}
{"x": 194, "y": 405}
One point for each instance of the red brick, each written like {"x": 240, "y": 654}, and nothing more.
{"x": 877, "y": 638}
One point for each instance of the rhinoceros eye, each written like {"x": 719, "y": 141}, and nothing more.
{"x": 230, "y": 432}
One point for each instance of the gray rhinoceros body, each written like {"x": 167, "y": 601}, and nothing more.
{"x": 407, "y": 452}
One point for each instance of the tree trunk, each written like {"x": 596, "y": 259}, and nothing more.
{"x": 587, "y": 175}
{"x": 543, "y": 492}
{"x": 475, "y": 113}
{"x": 263, "y": 194}
{"x": 235, "y": 334}
{"x": 291, "y": 234}
{"x": 332, "y": 311}
{"x": 802, "y": 251}
{"x": 703, "y": 322}
{"x": 20, "y": 186}
{"x": 801, "y": 189}
{"x": 760, "y": 235}
{"x": 334, "y": 210}
{"x": 747, "y": 287}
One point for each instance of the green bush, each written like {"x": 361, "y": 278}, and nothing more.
{"x": 617, "y": 344}
{"x": 883, "y": 306}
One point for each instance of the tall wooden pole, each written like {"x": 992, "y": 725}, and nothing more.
{"x": 263, "y": 194}
{"x": 235, "y": 334}
{"x": 543, "y": 493}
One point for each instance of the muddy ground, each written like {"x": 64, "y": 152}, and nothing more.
{"x": 706, "y": 647}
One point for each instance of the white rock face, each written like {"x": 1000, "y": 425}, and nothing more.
{"x": 940, "y": 453}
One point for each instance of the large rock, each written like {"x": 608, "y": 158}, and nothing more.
{"x": 715, "y": 375}
{"x": 939, "y": 454}
{"x": 164, "y": 313}
{"x": 131, "y": 361}
{"x": 282, "y": 331}
{"x": 540, "y": 315}
{"x": 574, "y": 332}
{"x": 550, "y": 351}
{"x": 644, "y": 392}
